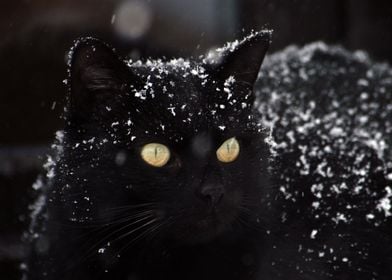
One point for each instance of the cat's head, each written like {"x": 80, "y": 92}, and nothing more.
{"x": 176, "y": 143}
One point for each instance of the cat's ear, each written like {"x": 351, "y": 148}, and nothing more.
{"x": 241, "y": 59}
{"x": 95, "y": 70}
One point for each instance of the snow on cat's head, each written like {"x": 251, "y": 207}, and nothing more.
{"x": 178, "y": 139}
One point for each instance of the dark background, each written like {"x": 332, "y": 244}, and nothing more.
{"x": 36, "y": 35}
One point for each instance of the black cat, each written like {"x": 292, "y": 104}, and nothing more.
{"x": 330, "y": 112}
{"x": 168, "y": 170}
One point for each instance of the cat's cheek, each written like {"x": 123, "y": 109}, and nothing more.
{"x": 233, "y": 198}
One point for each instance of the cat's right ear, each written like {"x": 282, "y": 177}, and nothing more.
{"x": 96, "y": 72}
{"x": 241, "y": 59}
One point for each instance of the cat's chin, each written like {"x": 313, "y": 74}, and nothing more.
{"x": 204, "y": 229}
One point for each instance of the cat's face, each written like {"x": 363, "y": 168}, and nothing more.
{"x": 176, "y": 143}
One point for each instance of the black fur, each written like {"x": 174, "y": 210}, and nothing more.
{"x": 106, "y": 214}
{"x": 331, "y": 115}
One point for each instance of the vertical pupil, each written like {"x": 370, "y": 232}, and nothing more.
{"x": 228, "y": 148}
{"x": 156, "y": 152}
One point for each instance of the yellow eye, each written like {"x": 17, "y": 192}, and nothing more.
{"x": 228, "y": 151}
{"x": 155, "y": 154}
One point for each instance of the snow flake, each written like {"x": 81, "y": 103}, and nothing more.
{"x": 222, "y": 127}
{"x": 171, "y": 109}
{"x": 385, "y": 204}
{"x": 101, "y": 250}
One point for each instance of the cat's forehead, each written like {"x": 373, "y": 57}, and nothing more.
{"x": 171, "y": 80}
{"x": 183, "y": 83}
{"x": 181, "y": 97}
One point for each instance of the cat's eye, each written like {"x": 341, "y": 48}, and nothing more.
{"x": 155, "y": 154}
{"x": 228, "y": 151}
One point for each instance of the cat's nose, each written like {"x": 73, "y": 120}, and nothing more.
{"x": 212, "y": 194}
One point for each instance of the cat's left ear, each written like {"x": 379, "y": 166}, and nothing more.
{"x": 96, "y": 73}
{"x": 241, "y": 59}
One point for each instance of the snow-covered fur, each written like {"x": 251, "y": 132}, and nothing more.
{"x": 309, "y": 196}
{"x": 330, "y": 117}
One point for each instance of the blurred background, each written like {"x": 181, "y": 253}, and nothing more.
{"x": 36, "y": 35}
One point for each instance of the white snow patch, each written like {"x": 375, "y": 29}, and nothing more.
{"x": 385, "y": 204}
